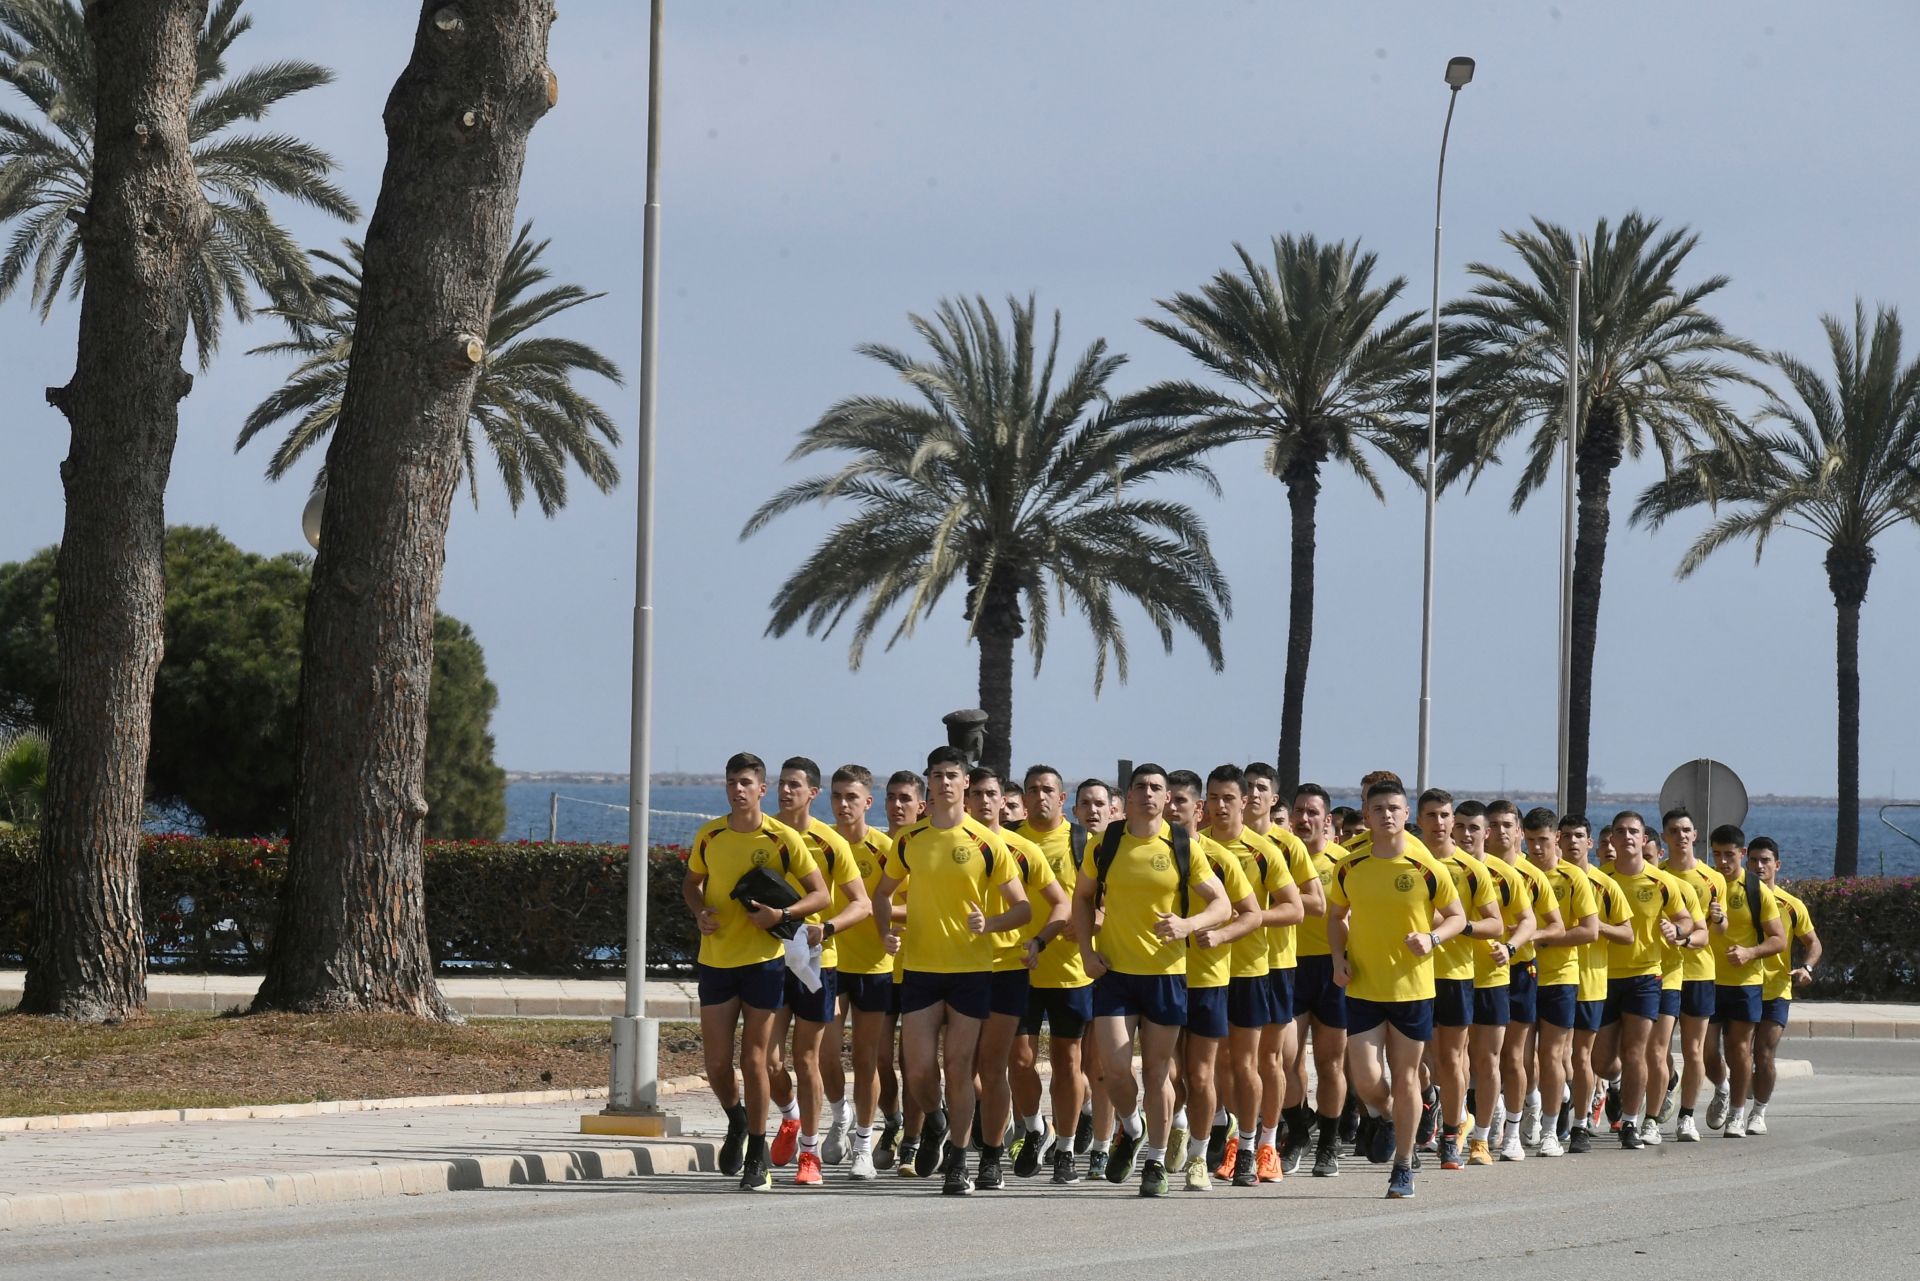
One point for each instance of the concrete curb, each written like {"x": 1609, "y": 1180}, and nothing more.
{"x": 1851, "y": 1029}
{"x": 356, "y": 1183}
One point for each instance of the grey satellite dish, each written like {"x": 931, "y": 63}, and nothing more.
{"x": 1708, "y": 790}
{"x": 310, "y": 518}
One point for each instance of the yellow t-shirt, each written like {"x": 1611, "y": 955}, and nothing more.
{"x": 860, "y": 949}
{"x": 1059, "y": 964}
{"x": 1010, "y": 946}
{"x": 1283, "y": 941}
{"x": 1310, "y": 936}
{"x": 1142, "y": 884}
{"x": 1798, "y": 922}
{"x": 1474, "y": 886}
{"x": 1558, "y": 966}
{"x": 1649, "y": 897}
{"x": 1510, "y": 892}
{"x": 1539, "y": 893}
{"x": 1262, "y": 867}
{"x": 835, "y": 859}
{"x": 723, "y": 856}
{"x": 1744, "y": 927}
{"x": 953, "y": 869}
{"x": 1612, "y": 910}
{"x": 1213, "y": 966}
{"x": 1386, "y": 900}
{"x": 1708, "y": 886}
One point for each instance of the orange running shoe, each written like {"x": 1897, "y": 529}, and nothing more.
{"x": 1225, "y": 1169}
{"x": 786, "y": 1141}
{"x": 1266, "y": 1161}
{"x": 808, "y": 1175}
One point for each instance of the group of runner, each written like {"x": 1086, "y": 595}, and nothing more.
{"x": 1469, "y": 981}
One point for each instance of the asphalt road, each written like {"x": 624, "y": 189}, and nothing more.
{"x": 1829, "y": 1194}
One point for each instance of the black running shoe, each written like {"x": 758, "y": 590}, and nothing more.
{"x": 1380, "y": 1149}
{"x": 991, "y": 1177}
{"x": 1362, "y": 1135}
{"x": 1153, "y": 1179}
{"x": 933, "y": 1137}
{"x": 1630, "y": 1136}
{"x": 1120, "y": 1162}
{"x": 1429, "y": 1116}
{"x": 1246, "y": 1173}
{"x": 757, "y": 1176}
{"x": 1293, "y": 1153}
{"x": 1217, "y": 1146}
{"x": 1096, "y": 1165}
{"x": 1613, "y": 1105}
{"x": 886, "y": 1151}
{"x": 1563, "y": 1124}
{"x": 1083, "y": 1134}
{"x": 956, "y": 1183}
{"x": 1064, "y": 1169}
{"x": 1580, "y": 1140}
{"x": 1471, "y": 1110}
{"x": 1027, "y": 1164}
{"x": 733, "y": 1148}
{"x": 979, "y": 1142}
{"x": 1326, "y": 1163}
{"x": 909, "y": 1160}
{"x": 1350, "y": 1118}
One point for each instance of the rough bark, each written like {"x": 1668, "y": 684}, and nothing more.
{"x": 144, "y": 223}
{"x": 352, "y": 932}
{"x": 997, "y": 624}
{"x": 1303, "y": 497}
{"x": 1848, "y": 569}
{"x": 1601, "y": 450}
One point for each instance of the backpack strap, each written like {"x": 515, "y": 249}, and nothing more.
{"x": 1104, "y": 856}
{"x": 1077, "y": 843}
{"x": 1182, "y": 861}
{"x": 1753, "y": 909}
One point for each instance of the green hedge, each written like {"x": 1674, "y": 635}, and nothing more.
{"x": 1869, "y": 929}
{"x": 210, "y": 905}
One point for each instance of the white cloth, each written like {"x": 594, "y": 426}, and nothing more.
{"x": 803, "y": 958}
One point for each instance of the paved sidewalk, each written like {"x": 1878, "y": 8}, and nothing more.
{"x": 499, "y": 996}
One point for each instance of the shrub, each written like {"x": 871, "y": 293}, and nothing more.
{"x": 1869, "y": 929}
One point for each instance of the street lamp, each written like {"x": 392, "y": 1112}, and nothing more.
{"x": 1459, "y": 74}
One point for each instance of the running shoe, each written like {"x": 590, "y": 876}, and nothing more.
{"x": 1650, "y": 1133}
{"x": 1530, "y": 1125}
{"x": 1400, "y": 1183}
{"x": 1266, "y": 1163}
{"x": 833, "y": 1148}
{"x": 1363, "y": 1135}
{"x": 1478, "y": 1153}
{"x": 1177, "y": 1148}
{"x": 1717, "y": 1110}
{"x": 1229, "y": 1156}
{"x": 807, "y": 1173}
{"x": 1198, "y": 1180}
{"x": 992, "y": 1177}
{"x": 1736, "y": 1127}
{"x": 1580, "y": 1141}
{"x": 886, "y": 1152}
{"x": 786, "y": 1144}
{"x": 1630, "y": 1136}
{"x": 956, "y": 1182}
{"x": 1429, "y": 1116}
{"x": 1563, "y": 1123}
{"x": 1350, "y": 1118}
{"x": 908, "y": 1162}
{"x": 1065, "y": 1171}
{"x": 1450, "y": 1158}
{"x": 1096, "y": 1165}
{"x": 1153, "y": 1179}
{"x": 933, "y": 1136}
{"x": 1381, "y": 1141}
{"x": 1326, "y": 1163}
{"x": 1512, "y": 1149}
{"x": 862, "y": 1168}
{"x": 1083, "y": 1134}
{"x": 1120, "y": 1161}
{"x": 1221, "y": 1141}
{"x": 1689, "y": 1131}
{"x": 1671, "y": 1103}
{"x": 757, "y": 1176}
{"x": 1033, "y": 1146}
{"x": 1293, "y": 1153}
{"x": 1613, "y": 1106}
{"x": 1550, "y": 1145}
{"x": 733, "y": 1148}
{"x": 1757, "y": 1123}
{"x": 1246, "y": 1169}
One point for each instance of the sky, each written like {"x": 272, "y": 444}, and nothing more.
{"x": 829, "y": 168}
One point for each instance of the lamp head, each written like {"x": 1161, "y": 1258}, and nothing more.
{"x": 1459, "y": 72}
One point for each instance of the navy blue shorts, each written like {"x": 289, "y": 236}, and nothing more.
{"x": 1315, "y": 992}
{"x": 1555, "y": 1003}
{"x": 1669, "y": 1002}
{"x": 1588, "y": 1015}
{"x": 1697, "y": 999}
{"x": 968, "y": 994}
{"x": 814, "y": 1007}
{"x": 1737, "y": 1004}
{"x": 868, "y": 993}
{"x": 1281, "y": 983}
{"x": 1775, "y": 1009}
{"x": 1207, "y": 1011}
{"x": 893, "y": 999}
{"x": 1453, "y": 1002}
{"x": 1157, "y": 998}
{"x": 1523, "y": 990}
{"x": 758, "y": 985}
{"x": 1638, "y": 996}
{"x": 1010, "y": 993}
{"x": 1065, "y": 1010}
{"x": 1412, "y": 1019}
{"x": 1492, "y": 1006}
{"x": 1249, "y": 1002}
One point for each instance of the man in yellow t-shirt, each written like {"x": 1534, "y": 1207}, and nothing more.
{"x": 1557, "y": 961}
{"x": 1137, "y": 958}
{"x": 1696, "y": 978}
{"x": 1454, "y": 969}
{"x": 1519, "y": 1082}
{"x": 1746, "y": 930}
{"x": 1389, "y": 910}
{"x": 1012, "y": 959}
{"x": 1283, "y": 1070}
{"x": 1657, "y": 910}
{"x": 1492, "y": 974}
{"x": 1060, "y": 995}
{"x": 906, "y": 804}
{"x": 864, "y": 979}
{"x": 1610, "y": 911}
{"x": 955, "y": 865}
{"x": 740, "y": 965}
{"x": 1776, "y": 997}
{"x": 1319, "y": 1004}
{"x": 1093, "y": 806}
{"x": 1253, "y": 999}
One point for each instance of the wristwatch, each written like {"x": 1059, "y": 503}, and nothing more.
{"x": 827, "y": 931}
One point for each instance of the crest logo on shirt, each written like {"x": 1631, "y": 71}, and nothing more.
{"x": 866, "y": 868}
{"x": 1644, "y": 894}
{"x": 760, "y": 858}
{"x": 961, "y": 854}
{"x": 1736, "y": 898}
{"x": 1404, "y": 882}
{"x": 1161, "y": 862}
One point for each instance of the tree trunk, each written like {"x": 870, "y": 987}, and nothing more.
{"x": 352, "y": 932}
{"x": 143, "y": 226}
{"x": 1600, "y": 452}
{"x": 1848, "y": 569}
{"x": 997, "y": 624}
{"x": 1303, "y": 496}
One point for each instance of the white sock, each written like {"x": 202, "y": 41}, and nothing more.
{"x": 1220, "y": 1117}
{"x": 1086, "y": 1109}
{"x": 1613, "y": 1082}
{"x": 1098, "y": 1145}
{"x": 862, "y": 1138}
{"x": 1268, "y": 1133}
{"x": 843, "y": 1113}
{"x": 810, "y": 1143}
{"x": 1372, "y": 1111}
{"x": 1180, "y": 1119}
{"x": 1533, "y": 1099}
{"x": 1758, "y": 1109}
{"x": 1130, "y": 1125}
{"x": 1031, "y": 1122}
{"x": 1156, "y": 1154}
{"x": 790, "y": 1111}
{"x": 1479, "y": 1132}
{"x": 1246, "y": 1138}
{"x": 1631, "y": 1118}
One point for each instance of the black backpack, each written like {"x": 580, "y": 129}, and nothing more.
{"x": 1110, "y": 849}
{"x": 1752, "y": 885}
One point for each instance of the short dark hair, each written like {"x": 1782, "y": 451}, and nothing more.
{"x": 906, "y": 776}
{"x": 1085, "y": 783}
{"x": 1575, "y": 823}
{"x": 1184, "y": 780}
{"x": 854, "y": 774}
{"x": 1341, "y": 813}
{"x": 806, "y": 765}
{"x": 1767, "y": 843}
{"x": 981, "y": 774}
{"x": 1539, "y": 819}
{"x": 1624, "y": 815}
{"x": 1727, "y": 834}
{"x": 947, "y": 755}
{"x": 1260, "y": 769}
{"x": 1678, "y": 811}
{"x": 1034, "y": 770}
{"x": 1502, "y": 806}
{"x": 1388, "y": 786}
{"x": 1228, "y": 774}
{"x": 1469, "y": 809}
{"x": 1305, "y": 789}
{"x": 1435, "y": 796}
{"x": 746, "y": 763}
{"x": 1145, "y": 770}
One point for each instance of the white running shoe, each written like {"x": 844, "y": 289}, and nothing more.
{"x": 1736, "y": 1127}
{"x": 1650, "y": 1133}
{"x": 833, "y": 1149}
{"x": 1550, "y": 1145}
{"x": 1512, "y": 1150}
{"x": 1176, "y": 1148}
{"x": 1688, "y": 1131}
{"x": 1530, "y": 1126}
{"x": 1718, "y": 1108}
{"x": 862, "y": 1166}
{"x": 1757, "y": 1123}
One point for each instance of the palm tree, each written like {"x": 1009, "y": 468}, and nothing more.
{"x": 525, "y": 404}
{"x": 1652, "y": 363}
{"x": 23, "y": 776}
{"x": 1027, "y": 490}
{"x": 1316, "y": 373}
{"x": 46, "y": 170}
{"x": 1841, "y": 468}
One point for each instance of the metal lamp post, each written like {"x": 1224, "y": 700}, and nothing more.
{"x": 1459, "y": 75}
{"x": 1568, "y": 500}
